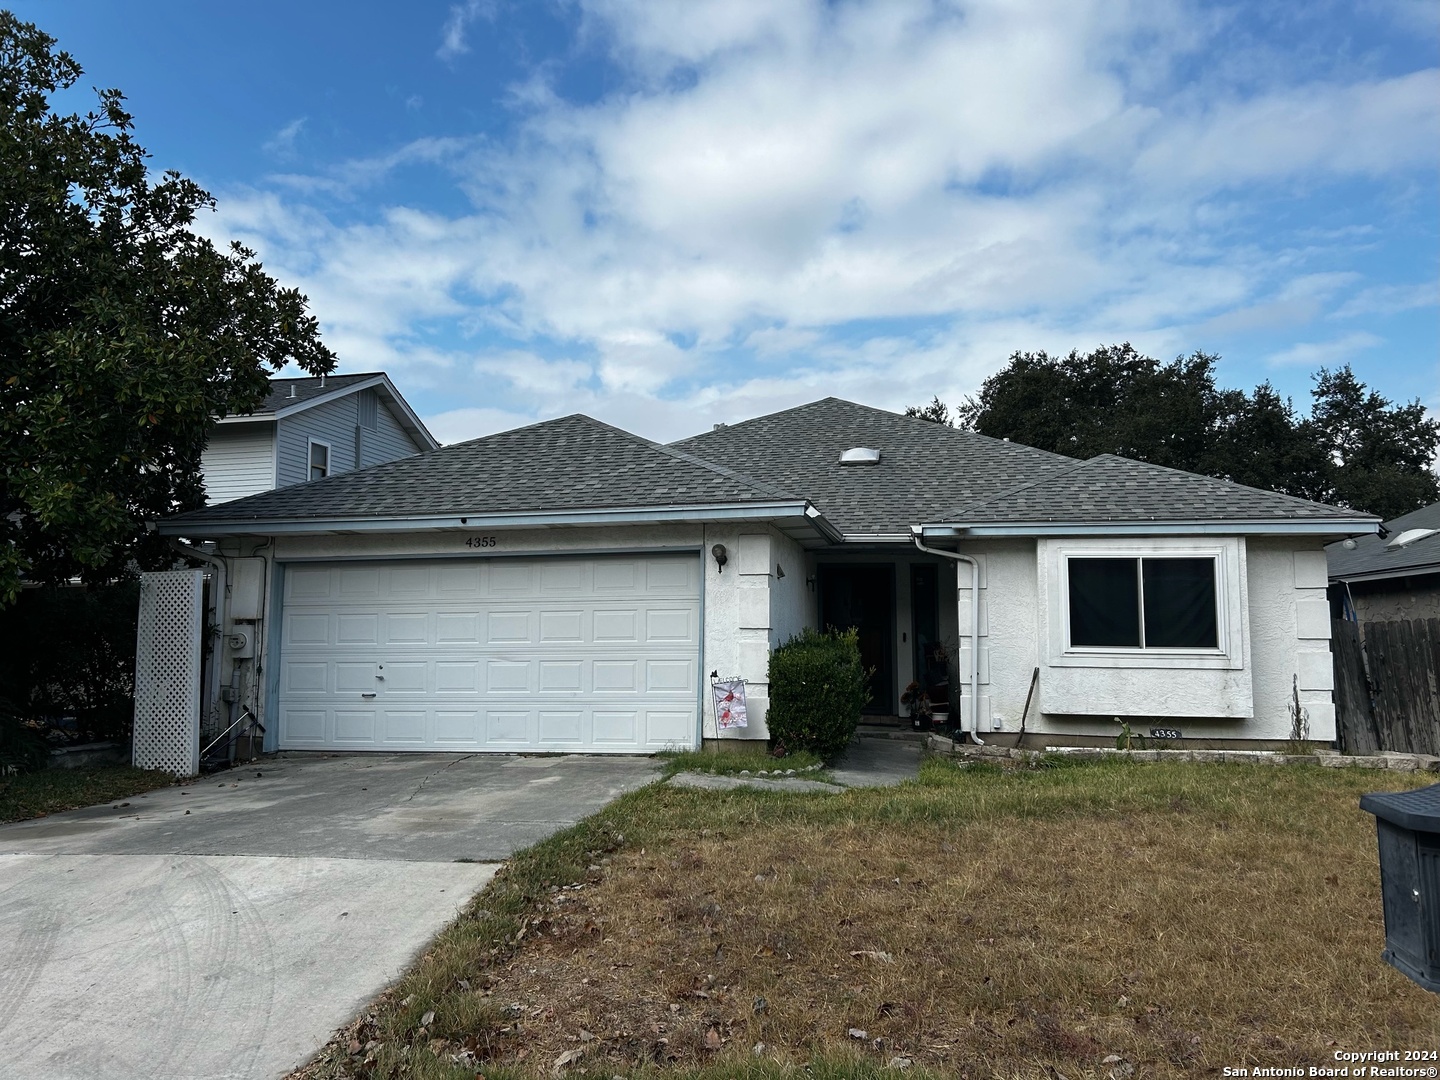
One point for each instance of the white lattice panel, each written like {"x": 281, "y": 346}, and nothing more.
{"x": 167, "y": 671}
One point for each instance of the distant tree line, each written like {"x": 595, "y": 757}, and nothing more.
{"x": 1354, "y": 448}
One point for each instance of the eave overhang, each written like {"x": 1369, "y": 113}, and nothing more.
{"x": 1334, "y": 527}
{"x": 801, "y": 513}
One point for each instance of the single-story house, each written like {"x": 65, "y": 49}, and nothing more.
{"x": 569, "y": 586}
{"x": 308, "y": 428}
{"x": 1392, "y": 575}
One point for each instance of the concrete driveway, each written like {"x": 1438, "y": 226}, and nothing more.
{"x": 226, "y": 928}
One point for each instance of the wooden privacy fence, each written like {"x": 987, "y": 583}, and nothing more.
{"x": 1387, "y": 685}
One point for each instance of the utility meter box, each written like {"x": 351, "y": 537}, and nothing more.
{"x": 1407, "y": 824}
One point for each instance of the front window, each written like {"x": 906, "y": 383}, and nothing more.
{"x": 1159, "y": 602}
{"x": 319, "y": 461}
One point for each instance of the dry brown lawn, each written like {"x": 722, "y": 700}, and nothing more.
{"x": 1179, "y": 918}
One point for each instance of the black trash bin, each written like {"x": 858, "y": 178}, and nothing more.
{"x": 1407, "y": 824}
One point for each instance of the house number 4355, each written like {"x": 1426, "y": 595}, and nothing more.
{"x": 480, "y": 541}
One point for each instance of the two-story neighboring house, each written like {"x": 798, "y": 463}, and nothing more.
{"x": 309, "y": 428}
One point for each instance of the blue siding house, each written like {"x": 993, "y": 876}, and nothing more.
{"x": 308, "y": 428}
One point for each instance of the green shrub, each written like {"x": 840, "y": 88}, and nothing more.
{"x": 817, "y": 687}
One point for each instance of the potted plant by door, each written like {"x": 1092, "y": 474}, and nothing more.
{"x": 918, "y": 702}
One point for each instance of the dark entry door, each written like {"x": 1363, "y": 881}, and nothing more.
{"x": 864, "y": 597}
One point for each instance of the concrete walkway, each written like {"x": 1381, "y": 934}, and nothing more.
{"x": 869, "y": 761}
{"x": 224, "y": 929}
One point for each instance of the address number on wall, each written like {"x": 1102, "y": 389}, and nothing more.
{"x": 1164, "y": 733}
{"x": 481, "y": 541}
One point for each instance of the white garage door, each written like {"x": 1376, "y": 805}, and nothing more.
{"x": 509, "y": 654}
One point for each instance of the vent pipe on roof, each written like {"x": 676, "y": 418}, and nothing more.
{"x": 322, "y": 380}
{"x": 292, "y": 389}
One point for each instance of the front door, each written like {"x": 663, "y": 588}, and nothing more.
{"x": 863, "y": 596}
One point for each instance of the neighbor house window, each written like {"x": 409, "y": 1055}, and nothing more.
{"x": 319, "y": 461}
{"x": 1143, "y": 603}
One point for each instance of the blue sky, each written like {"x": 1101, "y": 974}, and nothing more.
{"x": 669, "y": 215}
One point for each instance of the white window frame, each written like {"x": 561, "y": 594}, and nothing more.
{"x": 1230, "y": 602}
{"x": 310, "y": 445}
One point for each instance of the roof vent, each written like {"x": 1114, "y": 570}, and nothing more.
{"x": 860, "y": 455}
{"x": 1409, "y": 536}
{"x": 292, "y": 389}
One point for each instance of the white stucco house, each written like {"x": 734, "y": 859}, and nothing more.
{"x": 569, "y": 586}
{"x": 309, "y": 428}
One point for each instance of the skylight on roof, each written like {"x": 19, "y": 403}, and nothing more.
{"x": 1409, "y": 536}
{"x": 860, "y": 455}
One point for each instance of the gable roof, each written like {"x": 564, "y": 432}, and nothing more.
{"x": 1110, "y": 489}
{"x": 290, "y": 396}
{"x": 924, "y": 470}
{"x": 1373, "y": 558}
{"x": 535, "y": 473}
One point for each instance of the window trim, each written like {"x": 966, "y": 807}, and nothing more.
{"x": 1142, "y": 648}
{"x": 310, "y": 445}
{"x": 1232, "y": 633}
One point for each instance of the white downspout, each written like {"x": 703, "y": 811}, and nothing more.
{"x": 974, "y": 631}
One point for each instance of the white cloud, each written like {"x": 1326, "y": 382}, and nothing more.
{"x": 1318, "y": 354}
{"x": 457, "y": 24}
{"x": 282, "y": 143}
{"x": 718, "y": 233}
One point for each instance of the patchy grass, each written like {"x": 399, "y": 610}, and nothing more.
{"x": 979, "y": 921}
{"x": 50, "y": 791}
{"x": 733, "y": 762}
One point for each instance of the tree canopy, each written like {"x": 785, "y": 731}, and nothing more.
{"x": 1354, "y": 448}
{"x": 123, "y": 333}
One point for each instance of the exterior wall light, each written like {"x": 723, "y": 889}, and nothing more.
{"x": 720, "y": 557}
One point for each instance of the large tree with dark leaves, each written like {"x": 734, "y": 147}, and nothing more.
{"x": 123, "y": 334}
{"x": 1354, "y": 449}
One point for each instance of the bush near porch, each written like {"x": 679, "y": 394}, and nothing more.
{"x": 818, "y": 686}
{"x": 1176, "y": 919}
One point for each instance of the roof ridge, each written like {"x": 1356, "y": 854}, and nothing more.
{"x": 1222, "y": 480}
{"x": 692, "y": 459}
{"x": 1063, "y": 470}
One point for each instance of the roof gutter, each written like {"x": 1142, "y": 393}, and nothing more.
{"x": 1271, "y": 527}
{"x": 917, "y": 536}
{"x": 245, "y": 526}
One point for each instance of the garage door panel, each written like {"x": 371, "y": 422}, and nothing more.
{"x": 408, "y": 677}
{"x": 507, "y": 676}
{"x": 565, "y": 727}
{"x": 616, "y": 626}
{"x": 671, "y": 676}
{"x": 457, "y": 628}
{"x": 354, "y": 726}
{"x": 508, "y": 727}
{"x": 457, "y": 676}
{"x": 307, "y": 630}
{"x": 457, "y": 727}
{"x": 615, "y": 727}
{"x": 561, "y": 676}
{"x": 563, "y": 654}
{"x": 358, "y": 584}
{"x": 357, "y": 628}
{"x": 405, "y": 628}
{"x": 669, "y": 626}
{"x": 307, "y": 678}
{"x": 507, "y": 627}
{"x": 674, "y": 728}
{"x": 562, "y": 627}
{"x": 403, "y": 727}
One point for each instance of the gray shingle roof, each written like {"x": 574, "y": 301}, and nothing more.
{"x": 307, "y": 389}
{"x": 924, "y": 470}
{"x": 567, "y": 464}
{"x": 1109, "y": 488}
{"x": 1373, "y": 557}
